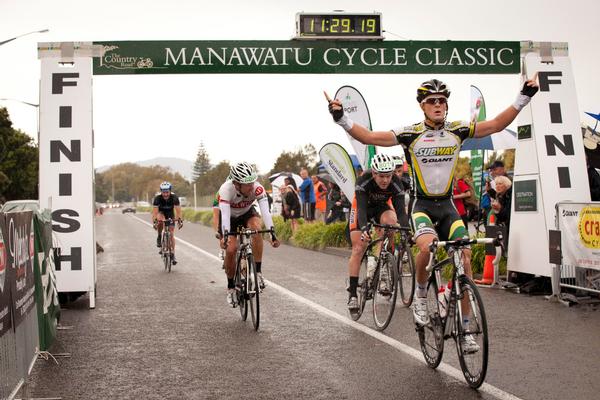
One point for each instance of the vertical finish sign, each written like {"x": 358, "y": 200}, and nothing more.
{"x": 66, "y": 168}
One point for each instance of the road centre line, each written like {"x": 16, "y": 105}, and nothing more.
{"x": 416, "y": 354}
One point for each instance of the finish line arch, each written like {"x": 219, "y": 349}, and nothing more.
{"x": 549, "y": 165}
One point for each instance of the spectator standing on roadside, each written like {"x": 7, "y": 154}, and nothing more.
{"x": 307, "y": 196}
{"x": 338, "y": 203}
{"x": 321, "y": 199}
{"x": 460, "y": 192}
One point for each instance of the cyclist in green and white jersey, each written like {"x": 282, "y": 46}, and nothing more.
{"x": 433, "y": 148}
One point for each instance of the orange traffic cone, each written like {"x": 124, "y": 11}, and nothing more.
{"x": 488, "y": 266}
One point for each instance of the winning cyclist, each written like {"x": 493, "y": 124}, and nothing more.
{"x": 236, "y": 202}
{"x": 373, "y": 191}
{"x": 434, "y": 146}
{"x": 163, "y": 206}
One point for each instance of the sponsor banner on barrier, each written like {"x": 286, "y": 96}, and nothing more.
{"x": 580, "y": 229}
{"x": 5, "y": 314}
{"x": 18, "y": 239}
{"x": 339, "y": 165}
{"x": 356, "y": 108}
{"x": 307, "y": 57}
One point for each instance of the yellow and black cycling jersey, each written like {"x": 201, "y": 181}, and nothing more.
{"x": 433, "y": 155}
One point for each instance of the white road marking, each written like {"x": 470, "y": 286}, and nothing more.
{"x": 416, "y": 354}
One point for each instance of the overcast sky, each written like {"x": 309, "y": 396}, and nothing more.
{"x": 255, "y": 117}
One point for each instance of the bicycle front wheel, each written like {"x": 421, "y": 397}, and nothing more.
{"x": 385, "y": 291}
{"x": 253, "y": 291}
{"x": 431, "y": 335}
{"x": 472, "y": 334}
{"x": 406, "y": 276}
{"x": 165, "y": 249}
{"x": 362, "y": 291}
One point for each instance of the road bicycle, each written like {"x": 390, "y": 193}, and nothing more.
{"x": 166, "y": 245}
{"x": 247, "y": 287}
{"x": 380, "y": 283}
{"x": 406, "y": 267}
{"x": 447, "y": 309}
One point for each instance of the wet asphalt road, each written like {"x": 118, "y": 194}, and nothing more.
{"x": 155, "y": 335}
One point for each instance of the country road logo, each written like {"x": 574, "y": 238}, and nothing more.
{"x": 115, "y": 58}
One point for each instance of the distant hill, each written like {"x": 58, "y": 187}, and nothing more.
{"x": 184, "y": 167}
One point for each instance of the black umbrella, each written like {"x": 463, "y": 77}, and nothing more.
{"x": 324, "y": 176}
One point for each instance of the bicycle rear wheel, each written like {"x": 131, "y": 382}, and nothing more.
{"x": 431, "y": 335}
{"x": 363, "y": 288}
{"x": 253, "y": 291}
{"x": 240, "y": 288}
{"x": 406, "y": 275}
{"x": 385, "y": 291}
{"x": 472, "y": 338}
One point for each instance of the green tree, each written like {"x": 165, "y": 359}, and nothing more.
{"x": 19, "y": 161}
{"x": 131, "y": 182}
{"x": 292, "y": 161}
{"x": 202, "y": 164}
{"x": 212, "y": 180}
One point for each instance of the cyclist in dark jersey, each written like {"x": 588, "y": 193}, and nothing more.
{"x": 374, "y": 190}
{"x": 433, "y": 147}
{"x": 166, "y": 206}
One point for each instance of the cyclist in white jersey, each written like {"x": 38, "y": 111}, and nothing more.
{"x": 433, "y": 147}
{"x": 236, "y": 202}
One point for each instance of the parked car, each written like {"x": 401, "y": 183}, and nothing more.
{"x": 128, "y": 210}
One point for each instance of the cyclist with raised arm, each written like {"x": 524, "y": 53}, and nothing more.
{"x": 166, "y": 206}
{"x": 236, "y": 202}
{"x": 433, "y": 147}
{"x": 373, "y": 191}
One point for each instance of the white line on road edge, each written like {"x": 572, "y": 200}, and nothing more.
{"x": 416, "y": 354}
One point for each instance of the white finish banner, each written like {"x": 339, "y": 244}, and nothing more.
{"x": 339, "y": 165}
{"x": 66, "y": 167}
{"x": 579, "y": 225}
{"x": 549, "y": 166}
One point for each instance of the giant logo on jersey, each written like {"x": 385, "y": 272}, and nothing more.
{"x": 258, "y": 191}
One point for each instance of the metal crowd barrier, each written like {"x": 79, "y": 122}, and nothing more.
{"x": 571, "y": 275}
{"x": 18, "y": 352}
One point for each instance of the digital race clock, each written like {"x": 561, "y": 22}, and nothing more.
{"x": 349, "y": 26}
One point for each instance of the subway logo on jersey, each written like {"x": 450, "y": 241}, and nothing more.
{"x": 435, "y": 151}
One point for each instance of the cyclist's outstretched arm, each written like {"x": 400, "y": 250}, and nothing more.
{"x": 502, "y": 120}
{"x": 357, "y": 131}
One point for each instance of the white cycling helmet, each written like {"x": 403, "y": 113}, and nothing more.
{"x": 382, "y": 163}
{"x": 165, "y": 186}
{"x": 242, "y": 172}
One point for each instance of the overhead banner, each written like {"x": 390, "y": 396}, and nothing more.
{"x": 339, "y": 165}
{"x": 308, "y": 57}
{"x": 356, "y": 108}
{"x": 579, "y": 226}
{"x": 18, "y": 238}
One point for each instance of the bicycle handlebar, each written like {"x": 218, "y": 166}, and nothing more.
{"x": 497, "y": 242}
{"x": 248, "y": 232}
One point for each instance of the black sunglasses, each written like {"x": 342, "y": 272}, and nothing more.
{"x": 435, "y": 100}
